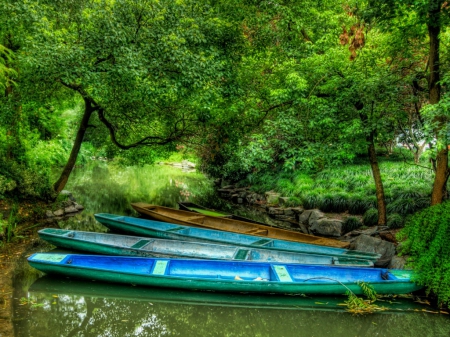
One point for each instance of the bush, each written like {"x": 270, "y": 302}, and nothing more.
{"x": 351, "y": 223}
{"x": 395, "y": 221}
{"x": 370, "y": 218}
{"x": 426, "y": 241}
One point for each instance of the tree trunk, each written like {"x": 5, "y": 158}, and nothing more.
{"x": 441, "y": 174}
{"x": 62, "y": 181}
{"x": 381, "y": 202}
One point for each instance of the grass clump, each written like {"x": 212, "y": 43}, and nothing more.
{"x": 370, "y": 217}
{"x": 425, "y": 238}
{"x": 351, "y": 223}
{"x": 395, "y": 221}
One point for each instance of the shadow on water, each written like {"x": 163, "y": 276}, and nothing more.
{"x": 63, "y": 307}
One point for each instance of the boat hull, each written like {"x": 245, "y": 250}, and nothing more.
{"x": 192, "y": 207}
{"x": 227, "y": 276}
{"x": 111, "y": 244}
{"x": 164, "y": 230}
{"x": 166, "y": 214}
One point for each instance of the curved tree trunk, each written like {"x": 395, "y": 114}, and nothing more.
{"x": 62, "y": 181}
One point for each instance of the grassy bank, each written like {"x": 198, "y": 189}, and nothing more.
{"x": 351, "y": 188}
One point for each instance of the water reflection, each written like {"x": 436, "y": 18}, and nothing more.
{"x": 76, "y": 308}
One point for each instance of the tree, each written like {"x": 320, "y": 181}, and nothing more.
{"x": 411, "y": 17}
{"x": 142, "y": 67}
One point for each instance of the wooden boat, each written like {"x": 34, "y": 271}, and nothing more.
{"x": 228, "y": 276}
{"x": 192, "y": 207}
{"x": 172, "y": 215}
{"x": 170, "y": 231}
{"x": 111, "y": 244}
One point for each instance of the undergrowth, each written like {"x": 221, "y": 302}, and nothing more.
{"x": 351, "y": 188}
{"x": 425, "y": 238}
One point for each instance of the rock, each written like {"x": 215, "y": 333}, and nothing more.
{"x": 68, "y": 194}
{"x": 67, "y": 203}
{"x": 228, "y": 187}
{"x": 240, "y": 200}
{"x": 283, "y": 200}
{"x": 304, "y": 228}
{"x": 188, "y": 164}
{"x": 70, "y": 209}
{"x": 289, "y": 212}
{"x": 370, "y": 244}
{"x": 369, "y": 231}
{"x": 397, "y": 262}
{"x": 79, "y": 207}
{"x": 297, "y": 210}
{"x": 59, "y": 212}
{"x": 49, "y": 214}
{"x": 388, "y": 235}
{"x": 326, "y": 227}
{"x": 304, "y": 217}
{"x": 315, "y": 215}
{"x": 283, "y": 217}
{"x": 275, "y": 211}
{"x": 272, "y": 197}
{"x": 252, "y": 198}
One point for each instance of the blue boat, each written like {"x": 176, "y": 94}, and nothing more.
{"x": 165, "y": 230}
{"x": 228, "y": 276}
{"x": 112, "y": 244}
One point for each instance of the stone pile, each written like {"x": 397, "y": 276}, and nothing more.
{"x": 377, "y": 239}
{"x": 67, "y": 208}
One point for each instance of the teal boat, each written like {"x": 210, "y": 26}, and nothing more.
{"x": 165, "y": 230}
{"x": 111, "y": 244}
{"x": 226, "y": 276}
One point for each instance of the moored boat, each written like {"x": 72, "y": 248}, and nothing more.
{"x": 186, "y": 218}
{"x": 165, "y": 230}
{"x": 228, "y": 276}
{"x": 112, "y": 244}
{"x": 193, "y": 207}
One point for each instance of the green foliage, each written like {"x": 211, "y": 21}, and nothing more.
{"x": 6, "y": 72}
{"x": 370, "y": 217}
{"x": 425, "y": 238}
{"x": 358, "y": 305}
{"x": 395, "y": 221}
{"x": 351, "y": 223}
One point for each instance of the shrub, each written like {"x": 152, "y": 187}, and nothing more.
{"x": 370, "y": 218}
{"x": 395, "y": 221}
{"x": 351, "y": 223}
{"x": 426, "y": 236}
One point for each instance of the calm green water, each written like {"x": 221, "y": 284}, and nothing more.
{"x": 49, "y": 306}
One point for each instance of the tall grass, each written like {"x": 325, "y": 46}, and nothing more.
{"x": 351, "y": 188}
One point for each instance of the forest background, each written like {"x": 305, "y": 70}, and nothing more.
{"x": 340, "y": 105}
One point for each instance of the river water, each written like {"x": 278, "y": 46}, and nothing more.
{"x": 49, "y": 306}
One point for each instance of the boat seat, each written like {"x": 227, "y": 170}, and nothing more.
{"x": 257, "y": 231}
{"x": 262, "y": 242}
{"x": 140, "y": 244}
